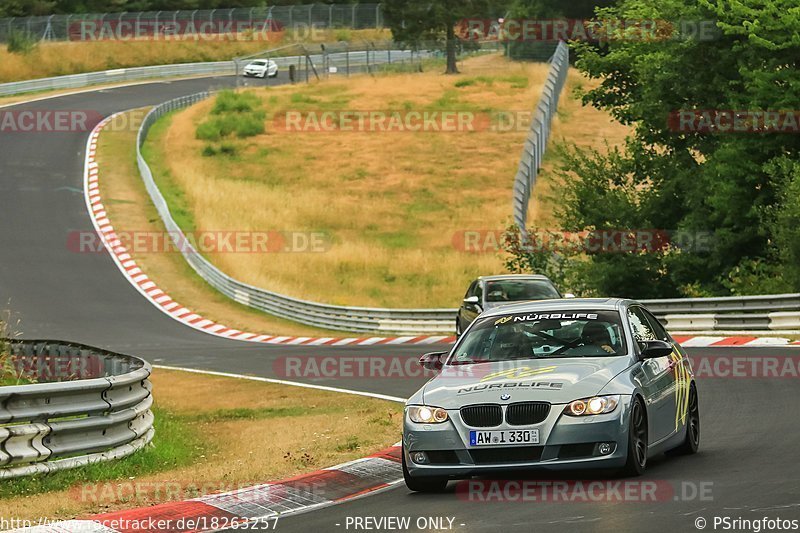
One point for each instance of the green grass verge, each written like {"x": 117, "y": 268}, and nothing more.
{"x": 173, "y": 194}
{"x": 178, "y": 442}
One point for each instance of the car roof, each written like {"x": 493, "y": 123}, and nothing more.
{"x": 562, "y": 304}
{"x": 500, "y": 277}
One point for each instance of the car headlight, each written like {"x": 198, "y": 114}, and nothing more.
{"x": 424, "y": 414}
{"x": 598, "y": 405}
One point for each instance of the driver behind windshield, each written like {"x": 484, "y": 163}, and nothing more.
{"x": 596, "y": 334}
{"x": 542, "y": 335}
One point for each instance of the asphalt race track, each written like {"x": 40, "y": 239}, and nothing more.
{"x": 750, "y": 427}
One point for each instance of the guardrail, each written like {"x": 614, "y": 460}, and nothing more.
{"x": 86, "y": 405}
{"x": 778, "y": 312}
{"x": 76, "y": 81}
{"x": 539, "y": 133}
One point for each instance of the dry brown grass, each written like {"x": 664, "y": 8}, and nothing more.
{"x": 62, "y": 58}
{"x": 576, "y": 124}
{"x": 265, "y": 448}
{"x": 130, "y": 210}
{"x": 391, "y": 202}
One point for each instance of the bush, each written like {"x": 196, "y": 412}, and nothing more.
{"x": 209, "y": 151}
{"x": 343, "y": 35}
{"x": 232, "y": 113}
{"x": 232, "y": 102}
{"x": 250, "y": 125}
{"x": 20, "y": 43}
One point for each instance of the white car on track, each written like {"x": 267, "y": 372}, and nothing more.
{"x": 261, "y": 68}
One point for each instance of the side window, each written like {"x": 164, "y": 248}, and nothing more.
{"x": 479, "y": 292}
{"x": 639, "y": 325}
{"x": 656, "y": 327}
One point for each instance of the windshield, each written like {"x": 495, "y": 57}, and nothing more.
{"x": 508, "y": 290}
{"x": 259, "y": 63}
{"x": 552, "y": 334}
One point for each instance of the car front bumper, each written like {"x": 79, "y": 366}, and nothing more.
{"x": 565, "y": 442}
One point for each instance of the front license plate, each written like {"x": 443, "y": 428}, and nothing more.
{"x": 506, "y": 437}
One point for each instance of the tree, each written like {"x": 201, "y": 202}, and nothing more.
{"x": 734, "y": 186}
{"x": 425, "y": 22}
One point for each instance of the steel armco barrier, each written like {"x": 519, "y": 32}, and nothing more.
{"x": 539, "y": 133}
{"x": 86, "y": 405}
{"x": 76, "y": 81}
{"x": 778, "y": 312}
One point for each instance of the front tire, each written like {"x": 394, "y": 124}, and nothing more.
{"x": 426, "y": 484}
{"x": 458, "y": 328}
{"x": 636, "y": 462}
{"x": 691, "y": 443}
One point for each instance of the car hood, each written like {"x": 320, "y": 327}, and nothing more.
{"x": 547, "y": 380}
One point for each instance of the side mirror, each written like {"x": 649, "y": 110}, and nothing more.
{"x": 569, "y": 295}
{"x": 432, "y": 360}
{"x": 655, "y": 349}
{"x": 473, "y": 300}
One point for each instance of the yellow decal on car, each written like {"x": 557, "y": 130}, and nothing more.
{"x": 518, "y": 373}
{"x": 503, "y": 320}
{"x": 682, "y": 385}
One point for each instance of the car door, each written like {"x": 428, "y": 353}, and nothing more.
{"x": 681, "y": 372}
{"x": 657, "y": 378}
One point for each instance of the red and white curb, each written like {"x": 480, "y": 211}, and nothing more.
{"x": 175, "y": 310}
{"x": 259, "y": 503}
{"x": 742, "y": 341}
